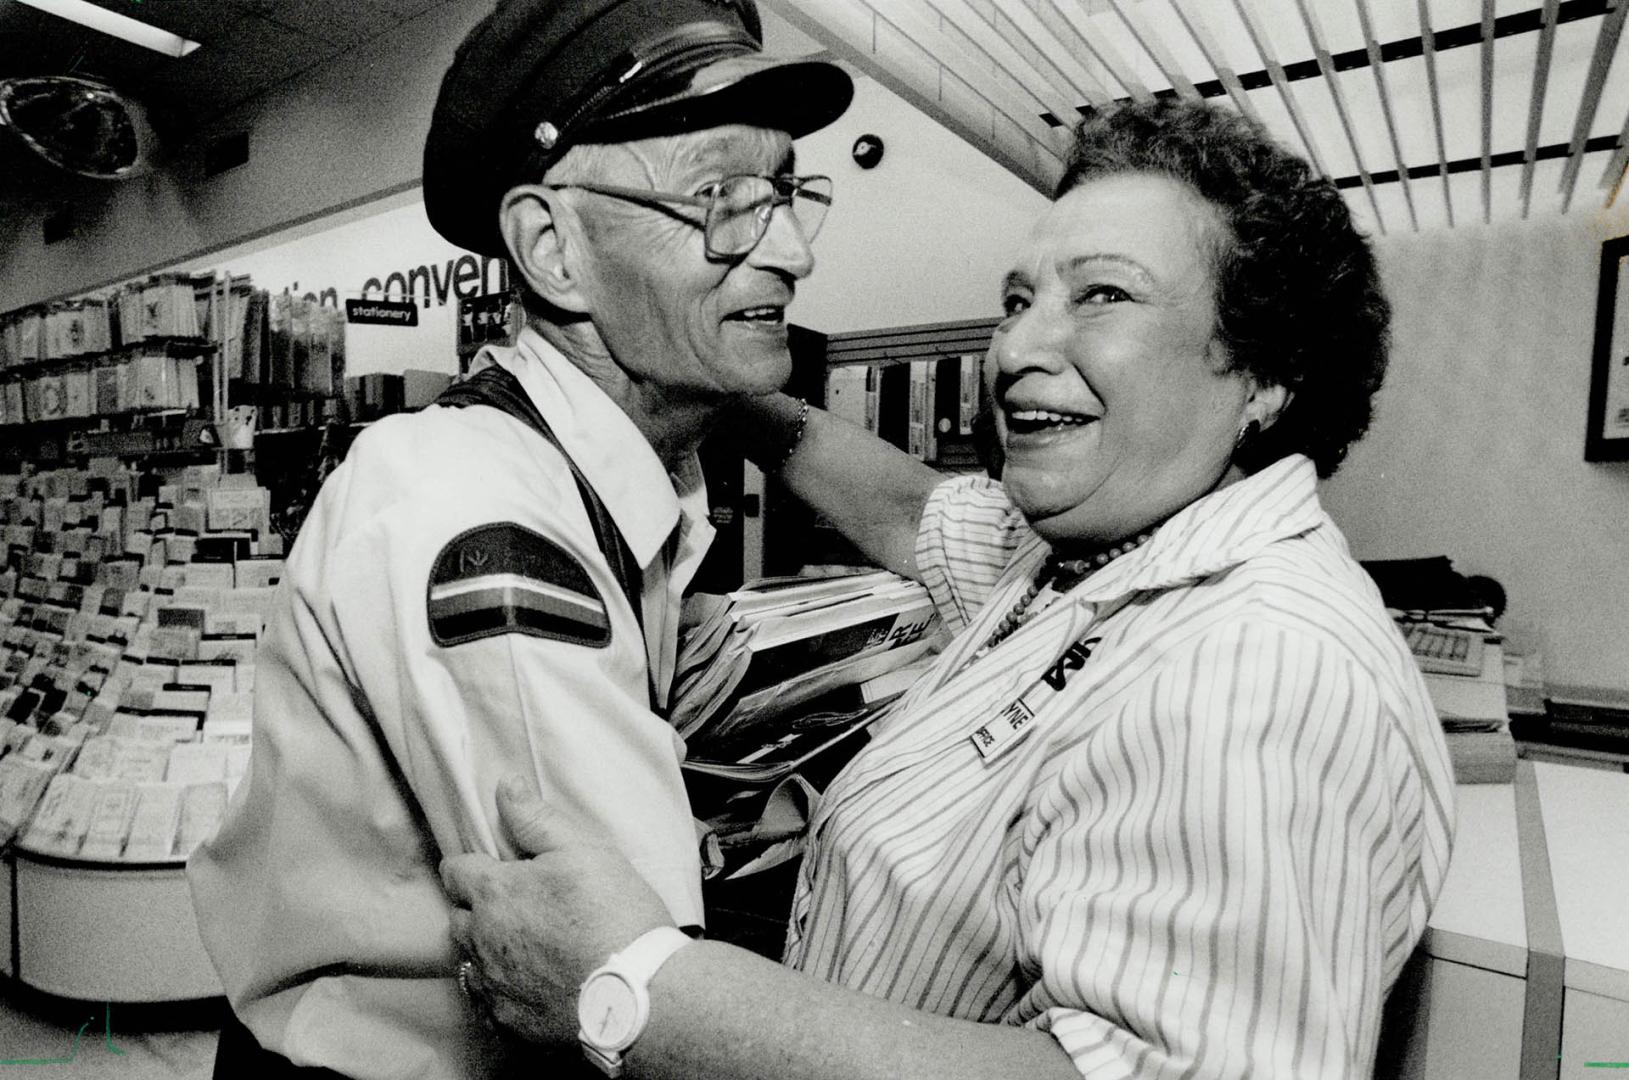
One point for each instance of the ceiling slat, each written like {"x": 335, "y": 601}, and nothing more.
{"x": 1320, "y": 52}
{"x": 848, "y": 30}
{"x": 1487, "y": 111}
{"x": 1613, "y": 176}
{"x": 1600, "y": 64}
{"x": 951, "y": 56}
{"x": 1275, "y": 72}
{"x": 1372, "y": 45}
{"x": 1535, "y": 109}
{"x": 1428, "y": 50}
{"x": 1068, "y": 21}
{"x": 1155, "y": 48}
{"x": 960, "y": 14}
{"x": 1039, "y": 37}
{"x": 1208, "y": 46}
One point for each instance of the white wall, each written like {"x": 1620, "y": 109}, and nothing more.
{"x": 924, "y": 237}
{"x": 1477, "y": 451}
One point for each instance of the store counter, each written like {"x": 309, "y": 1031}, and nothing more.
{"x": 1524, "y": 971}
{"x": 1586, "y": 822}
{"x": 102, "y": 931}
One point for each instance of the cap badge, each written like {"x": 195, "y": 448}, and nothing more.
{"x": 546, "y": 135}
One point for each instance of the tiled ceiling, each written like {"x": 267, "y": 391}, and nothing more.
{"x": 249, "y": 46}
{"x": 1429, "y": 112}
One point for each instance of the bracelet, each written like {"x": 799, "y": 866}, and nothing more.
{"x": 767, "y": 437}
{"x": 792, "y": 443}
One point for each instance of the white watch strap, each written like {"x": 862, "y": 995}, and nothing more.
{"x": 636, "y": 965}
{"x": 645, "y": 955}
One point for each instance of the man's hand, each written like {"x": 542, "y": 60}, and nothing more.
{"x": 535, "y": 929}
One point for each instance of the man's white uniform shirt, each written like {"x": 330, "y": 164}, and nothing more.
{"x": 378, "y": 745}
{"x": 1211, "y": 841}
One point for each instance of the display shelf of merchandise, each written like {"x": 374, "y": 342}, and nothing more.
{"x": 143, "y": 381}
{"x": 137, "y": 417}
{"x": 130, "y": 606}
{"x": 139, "y": 561}
{"x": 165, "y": 433}
{"x": 162, "y": 307}
{"x": 204, "y": 343}
{"x": 188, "y": 346}
{"x": 168, "y": 434}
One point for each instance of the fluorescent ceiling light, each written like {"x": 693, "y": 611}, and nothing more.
{"x": 120, "y": 26}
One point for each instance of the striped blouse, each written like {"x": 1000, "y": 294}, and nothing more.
{"x": 1210, "y": 814}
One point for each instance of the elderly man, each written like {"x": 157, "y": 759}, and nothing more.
{"x": 494, "y": 583}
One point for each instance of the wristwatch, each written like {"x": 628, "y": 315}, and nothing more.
{"x": 614, "y": 1003}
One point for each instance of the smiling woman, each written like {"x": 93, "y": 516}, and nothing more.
{"x": 1298, "y": 296}
{"x": 1111, "y": 329}
{"x": 1174, "y": 801}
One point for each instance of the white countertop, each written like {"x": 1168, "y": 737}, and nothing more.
{"x": 1586, "y": 828}
{"x": 1480, "y": 918}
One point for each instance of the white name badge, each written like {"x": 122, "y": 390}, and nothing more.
{"x": 995, "y": 737}
{"x": 1004, "y": 732}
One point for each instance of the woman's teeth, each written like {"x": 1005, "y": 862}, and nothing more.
{"x": 1032, "y": 419}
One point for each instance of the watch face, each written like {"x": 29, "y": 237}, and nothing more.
{"x": 608, "y": 1011}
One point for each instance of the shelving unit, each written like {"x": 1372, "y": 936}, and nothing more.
{"x": 126, "y": 430}
{"x": 792, "y": 536}
{"x": 121, "y": 929}
{"x": 125, "y": 708}
{"x": 901, "y": 344}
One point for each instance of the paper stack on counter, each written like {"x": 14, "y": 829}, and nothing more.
{"x": 776, "y": 672}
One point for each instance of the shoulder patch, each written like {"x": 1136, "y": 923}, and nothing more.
{"x": 506, "y": 579}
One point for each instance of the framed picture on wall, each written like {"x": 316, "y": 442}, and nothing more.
{"x": 1608, "y": 435}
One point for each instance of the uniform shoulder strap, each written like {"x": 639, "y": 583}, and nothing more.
{"x": 495, "y": 386}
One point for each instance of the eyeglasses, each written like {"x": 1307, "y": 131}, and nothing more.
{"x": 738, "y": 208}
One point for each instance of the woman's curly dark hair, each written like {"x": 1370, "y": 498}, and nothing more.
{"x": 1299, "y": 302}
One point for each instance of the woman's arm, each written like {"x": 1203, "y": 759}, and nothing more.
{"x": 869, "y": 489}
{"x": 537, "y": 928}
{"x": 723, "y": 1013}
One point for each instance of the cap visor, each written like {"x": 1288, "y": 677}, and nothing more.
{"x": 796, "y": 96}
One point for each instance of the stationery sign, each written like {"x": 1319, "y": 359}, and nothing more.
{"x": 382, "y": 312}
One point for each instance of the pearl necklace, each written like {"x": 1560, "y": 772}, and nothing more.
{"x": 1054, "y": 571}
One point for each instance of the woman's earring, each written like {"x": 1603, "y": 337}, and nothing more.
{"x": 1244, "y": 443}
{"x": 1247, "y": 434}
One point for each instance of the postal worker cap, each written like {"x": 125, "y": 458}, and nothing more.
{"x": 536, "y": 77}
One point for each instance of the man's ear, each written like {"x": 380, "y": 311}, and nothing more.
{"x": 542, "y": 234}
{"x": 1266, "y": 403}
